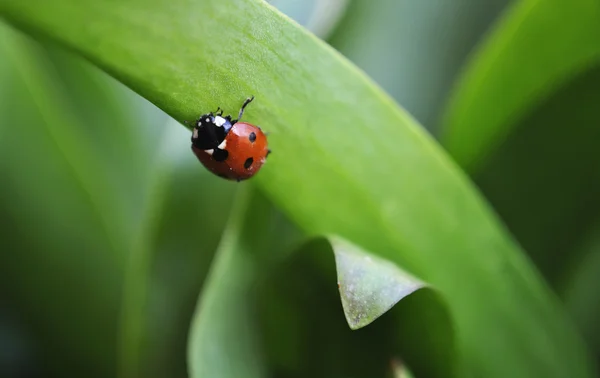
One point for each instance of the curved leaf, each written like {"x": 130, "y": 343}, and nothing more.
{"x": 369, "y": 285}
{"x": 537, "y": 47}
{"x": 263, "y": 314}
{"x": 346, "y": 161}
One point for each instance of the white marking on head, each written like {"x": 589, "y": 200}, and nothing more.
{"x": 210, "y": 152}
{"x": 195, "y": 133}
{"x": 222, "y": 145}
{"x": 207, "y": 120}
{"x": 219, "y": 121}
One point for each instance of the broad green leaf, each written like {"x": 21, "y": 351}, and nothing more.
{"x": 537, "y": 47}
{"x": 345, "y": 160}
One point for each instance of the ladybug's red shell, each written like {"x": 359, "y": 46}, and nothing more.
{"x": 247, "y": 150}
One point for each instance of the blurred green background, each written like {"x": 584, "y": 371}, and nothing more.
{"x": 108, "y": 229}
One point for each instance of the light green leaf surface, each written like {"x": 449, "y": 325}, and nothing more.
{"x": 346, "y": 160}
{"x": 537, "y": 47}
{"x": 369, "y": 285}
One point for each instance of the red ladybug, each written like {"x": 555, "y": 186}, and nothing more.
{"x": 228, "y": 148}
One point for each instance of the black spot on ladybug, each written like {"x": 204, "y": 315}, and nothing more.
{"x": 252, "y": 137}
{"x": 220, "y": 155}
{"x": 248, "y": 162}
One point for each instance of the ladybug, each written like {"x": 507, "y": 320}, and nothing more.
{"x": 229, "y": 148}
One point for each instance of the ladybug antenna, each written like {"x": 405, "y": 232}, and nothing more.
{"x": 248, "y": 100}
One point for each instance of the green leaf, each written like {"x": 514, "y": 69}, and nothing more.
{"x": 225, "y": 338}
{"x": 259, "y": 315}
{"x": 310, "y": 340}
{"x": 346, "y": 160}
{"x": 536, "y": 48}
{"x": 369, "y": 285}
{"x": 169, "y": 262}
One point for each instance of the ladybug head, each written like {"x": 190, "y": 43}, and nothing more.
{"x": 210, "y": 130}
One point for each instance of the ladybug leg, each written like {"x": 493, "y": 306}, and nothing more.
{"x": 248, "y": 100}
{"x": 219, "y": 111}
